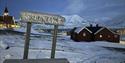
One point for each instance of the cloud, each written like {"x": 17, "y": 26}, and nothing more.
{"x": 75, "y": 6}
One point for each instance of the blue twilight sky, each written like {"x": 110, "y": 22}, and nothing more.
{"x": 84, "y": 8}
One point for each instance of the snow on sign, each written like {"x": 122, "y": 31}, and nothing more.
{"x": 36, "y": 17}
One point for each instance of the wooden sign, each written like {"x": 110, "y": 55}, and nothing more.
{"x": 35, "y": 17}
{"x": 60, "y": 60}
{"x": 45, "y": 18}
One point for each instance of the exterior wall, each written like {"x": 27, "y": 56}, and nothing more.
{"x": 81, "y": 37}
{"x": 74, "y": 36}
{"x": 103, "y": 35}
{"x": 85, "y": 35}
{"x": 8, "y": 20}
{"x": 1, "y": 19}
{"x": 106, "y": 35}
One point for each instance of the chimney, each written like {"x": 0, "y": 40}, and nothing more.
{"x": 90, "y": 25}
{"x": 97, "y": 25}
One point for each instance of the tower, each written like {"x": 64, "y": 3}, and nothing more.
{"x": 6, "y": 12}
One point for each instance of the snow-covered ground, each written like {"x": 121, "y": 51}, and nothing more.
{"x": 75, "y": 52}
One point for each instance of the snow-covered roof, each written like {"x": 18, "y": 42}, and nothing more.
{"x": 104, "y": 28}
{"x": 88, "y": 30}
{"x": 79, "y": 29}
{"x": 112, "y": 31}
{"x": 94, "y": 30}
{"x": 99, "y": 30}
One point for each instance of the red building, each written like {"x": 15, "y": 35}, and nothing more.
{"x": 94, "y": 33}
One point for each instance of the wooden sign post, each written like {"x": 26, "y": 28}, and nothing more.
{"x": 43, "y": 18}
{"x": 34, "y": 17}
{"x": 54, "y": 41}
{"x": 27, "y": 40}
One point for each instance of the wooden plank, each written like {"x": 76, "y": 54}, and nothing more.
{"x": 27, "y": 41}
{"x": 54, "y": 41}
{"x": 60, "y": 60}
{"x": 43, "y": 18}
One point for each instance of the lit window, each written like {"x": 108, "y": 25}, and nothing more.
{"x": 5, "y": 14}
{"x": 100, "y": 36}
{"x": 115, "y": 36}
{"x": 84, "y": 34}
{"x": 109, "y": 36}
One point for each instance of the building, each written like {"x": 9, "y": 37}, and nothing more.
{"x": 121, "y": 31}
{"x": 6, "y": 21}
{"x": 94, "y": 33}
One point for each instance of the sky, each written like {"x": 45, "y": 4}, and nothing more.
{"x": 101, "y": 9}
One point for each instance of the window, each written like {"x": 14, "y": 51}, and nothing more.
{"x": 115, "y": 36}
{"x": 100, "y": 36}
{"x": 109, "y": 36}
{"x": 84, "y": 34}
{"x": 5, "y": 14}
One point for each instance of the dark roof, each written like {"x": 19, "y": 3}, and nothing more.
{"x": 6, "y": 10}
{"x": 93, "y": 29}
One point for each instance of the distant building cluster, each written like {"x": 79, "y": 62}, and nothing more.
{"x": 121, "y": 31}
{"x": 94, "y": 33}
{"x": 7, "y": 21}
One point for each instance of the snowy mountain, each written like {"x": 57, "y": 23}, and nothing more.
{"x": 75, "y": 21}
